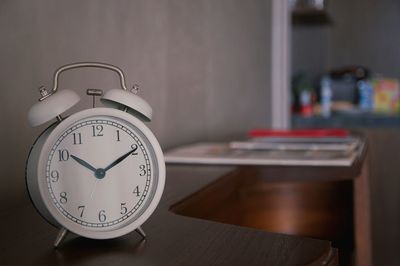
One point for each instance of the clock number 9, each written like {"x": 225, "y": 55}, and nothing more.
{"x": 55, "y": 175}
{"x": 102, "y": 216}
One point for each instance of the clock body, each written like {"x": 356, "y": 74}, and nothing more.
{"x": 99, "y": 173}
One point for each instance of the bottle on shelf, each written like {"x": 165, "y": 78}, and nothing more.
{"x": 366, "y": 95}
{"x": 326, "y": 96}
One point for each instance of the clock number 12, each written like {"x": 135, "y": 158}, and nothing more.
{"x": 97, "y": 131}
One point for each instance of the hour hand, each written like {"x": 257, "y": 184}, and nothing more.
{"x": 83, "y": 163}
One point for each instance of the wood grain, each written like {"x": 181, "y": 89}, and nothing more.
{"x": 302, "y": 207}
{"x": 26, "y": 239}
{"x": 384, "y": 176}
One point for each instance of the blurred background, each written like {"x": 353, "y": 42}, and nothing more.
{"x": 345, "y": 74}
{"x": 345, "y": 62}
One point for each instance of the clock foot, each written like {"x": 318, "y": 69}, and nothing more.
{"x": 60, "y": 237}
{"x": 140, "y": 231}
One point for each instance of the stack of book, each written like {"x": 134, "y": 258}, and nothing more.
{"x": 271, "y": 147}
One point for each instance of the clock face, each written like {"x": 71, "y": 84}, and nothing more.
{"x": 101, "y": 172}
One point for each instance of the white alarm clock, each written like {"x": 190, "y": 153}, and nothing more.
{"x": 100, "y": 172}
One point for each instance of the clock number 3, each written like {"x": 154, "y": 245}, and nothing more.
{"x": 142, "y": 170}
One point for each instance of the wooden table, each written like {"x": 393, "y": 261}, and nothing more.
{"x": 172, "y": 239}
{"x": 324, "y": 202}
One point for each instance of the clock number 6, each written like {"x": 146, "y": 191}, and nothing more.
{"x": 102, "y": 216}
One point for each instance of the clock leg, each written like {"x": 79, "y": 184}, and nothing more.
{"x": 140, "y": 231}
{"x": 60, "y": 237}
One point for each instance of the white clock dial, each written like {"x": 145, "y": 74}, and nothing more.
{"x": 99, "y": 172}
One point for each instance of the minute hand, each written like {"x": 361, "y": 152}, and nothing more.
{"x": 120, "y": 159}
{"x": 83, "y": 163}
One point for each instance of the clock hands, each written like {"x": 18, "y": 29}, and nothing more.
{"x": 120, "y": 159}
{"x": 82, "y": 162}
{"x": 100, "y": 173}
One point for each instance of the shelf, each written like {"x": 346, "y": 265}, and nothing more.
{"x": 346, "y": 121}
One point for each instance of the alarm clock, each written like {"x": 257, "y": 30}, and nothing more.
{"x": 100, "y": 172}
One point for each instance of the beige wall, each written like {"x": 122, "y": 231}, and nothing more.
{"x": 203, "y": 65}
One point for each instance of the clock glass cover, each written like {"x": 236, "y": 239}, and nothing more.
{"x": 101, "y": 172}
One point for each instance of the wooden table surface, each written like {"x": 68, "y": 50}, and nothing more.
{"x": 26, "y": 239}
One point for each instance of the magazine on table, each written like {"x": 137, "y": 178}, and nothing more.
{"x": 223, "y": 154}
{"x": 315, "y": 147}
